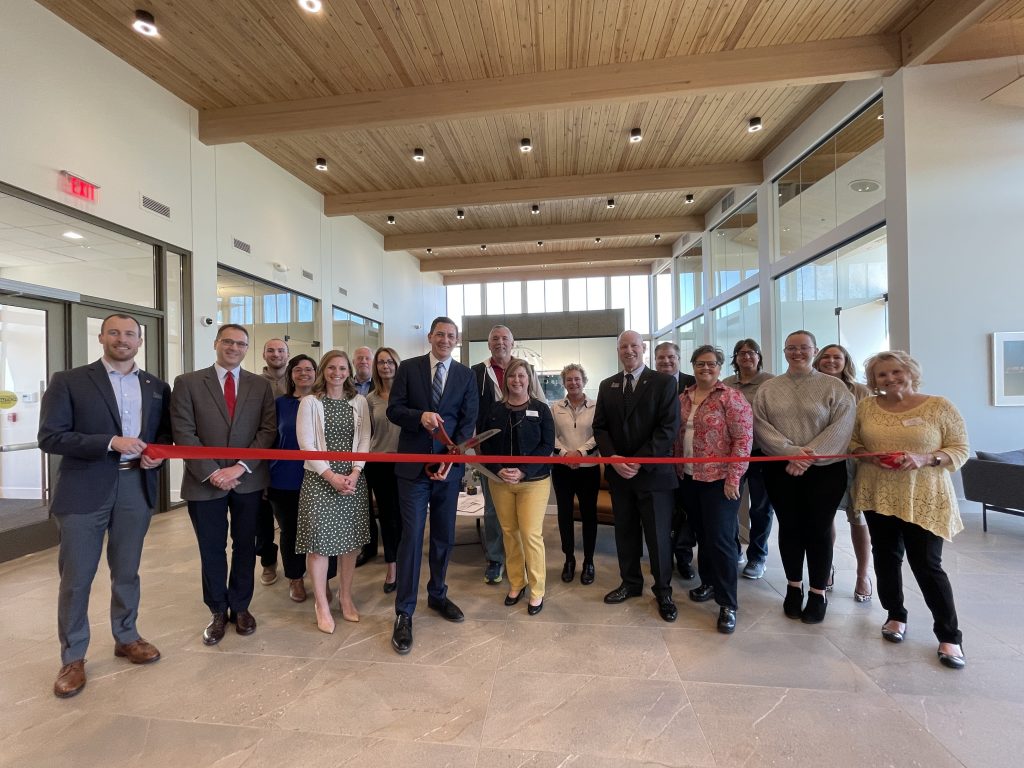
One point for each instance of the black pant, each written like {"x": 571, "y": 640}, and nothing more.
{"x": 891, "y": 537}
{"x": 805, "y": 507}
{"x": 286, "y": 510}
{"x": 369, "y": 550}
{"x": 210, "y": 520}
{"x": 382, "y": 483}
{"x": 583, "y": 484}
{"x": 715, "y": 522}
{"x": 265, "y": 546}
{"x": 760, "y": 511}
{"x": 642, "y": 514}
{"x": 683, "y": 537}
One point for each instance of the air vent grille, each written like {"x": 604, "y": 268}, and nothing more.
{"x": 160, "y": 209}
{"x": 242, "y": 245}
{"x": 375, "y": 305}
{"x": 727, "y": 201}
{"x": 342, "y": 291}
{"x": 307, "y": 274}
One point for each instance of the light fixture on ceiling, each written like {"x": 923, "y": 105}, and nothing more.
{"x": 525, "y": 145}
{"x": 391, "y": 219}
{"x": 460, "y": 214}
{"x": 657, "y": 237}
{"x": 535, "y": 209}
{"x": 430, "y": 250}
{"x": 321, "y": 164}
{"x": 312, "y": 6}
{"x": 73, "y": 235}
{"x": 881, "y": 116}
{"x": 688, "y": 200}
{"x": 483, "y": 247}
{"x": 754, "y": 125}
{"x": 280, "y": 266}
{"x": 636, "y": 136}
{"x": 145, "y": 24}
{"x": 597, "y": 239}
{"x": 540, "y": 242}
{"x": 864, "y": 185}
{"x": 418, "y": 156}
{"x": 611, "y": 202}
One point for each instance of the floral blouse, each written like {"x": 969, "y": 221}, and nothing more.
{"x": 723, "y": 425}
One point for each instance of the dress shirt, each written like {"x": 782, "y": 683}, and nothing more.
{"x": 363, "y": 387}
{"x": 128, "y": 394}
{"x": 222, "y": 374}
{"x": 445, "y": 365}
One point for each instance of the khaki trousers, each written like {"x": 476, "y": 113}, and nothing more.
{"x": 521, "y": 508}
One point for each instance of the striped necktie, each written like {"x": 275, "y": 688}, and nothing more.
{"x": 437, "y": 387}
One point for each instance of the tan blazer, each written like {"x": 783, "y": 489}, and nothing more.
{"x": 199, "y": 416}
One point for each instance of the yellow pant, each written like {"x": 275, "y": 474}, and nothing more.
{"x": 521, "y": 509}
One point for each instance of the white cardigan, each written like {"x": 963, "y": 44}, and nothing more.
{"x": 309, "y": 429}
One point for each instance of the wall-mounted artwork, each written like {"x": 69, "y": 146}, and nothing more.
{"x": 1008, "y": 368}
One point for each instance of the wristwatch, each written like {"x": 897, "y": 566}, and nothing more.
{"x": 935, "y": 460}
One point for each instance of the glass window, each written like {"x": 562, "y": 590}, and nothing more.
{"x": 495, "y": 293}
{"x": 577, "y": 293}
{"x": 639, "y": 314}
{"x": 455, "y": 306}
{"x": 839, "y": 297}
{"x": 691, "y": 336}
{"x": 351, "y": 330}
{"x": 595, "y": 293}
{"x": 553, "y": 296}
{"x": 472, "y": 304}
{"x": 663, "y": 298}
{"x": 738, "y": 319}
{"x": 690, "y": 268}
{"x": 534, "y": 295}
{"x": 734, "y": 248}
{"x": 840, "y": 179}
{"x": 513, "y": 297}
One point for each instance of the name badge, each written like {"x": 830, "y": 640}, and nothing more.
{"x": 535, "y": 414}
{"x": 615, "y": 385}
{"x": 917, "y": 421}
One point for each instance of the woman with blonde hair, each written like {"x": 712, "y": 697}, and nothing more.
{"x": 333, "y": 502}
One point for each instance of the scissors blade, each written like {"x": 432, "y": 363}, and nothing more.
{"x": 474, "y": 441}
{"x": 480, "y": 469}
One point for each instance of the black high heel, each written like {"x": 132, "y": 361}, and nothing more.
{"x": 509, "y": 600}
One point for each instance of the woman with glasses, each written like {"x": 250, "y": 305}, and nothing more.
{"x": 521, "y": 498}
{"x": 334, "y": 510}
{"x": 834, "y": 360}
{"x": 804, "y": 413}
{"x": 380, "y": 475}
{"x": 748, "y": 378}
{"x": 715, "y": 421}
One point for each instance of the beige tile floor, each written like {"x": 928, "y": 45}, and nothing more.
{"x": 581, "y": 684}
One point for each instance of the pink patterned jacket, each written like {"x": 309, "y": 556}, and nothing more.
{"x": 722, "y": 426}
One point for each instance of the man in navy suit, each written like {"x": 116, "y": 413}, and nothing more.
{"x": 429, "y": 392}
{"x": 637, "y": 414}
{"x": 100, "y": 417}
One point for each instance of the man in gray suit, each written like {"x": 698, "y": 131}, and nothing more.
{"x": 224, "y": 406}
{"x": 100, "y": 417}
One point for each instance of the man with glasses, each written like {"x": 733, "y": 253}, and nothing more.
{"x": 224, "y": 406}
{"x": 275, "y": 355}
{"x": 666, "y": 360}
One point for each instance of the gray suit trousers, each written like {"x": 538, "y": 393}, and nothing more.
{"x": 124, "y": 518}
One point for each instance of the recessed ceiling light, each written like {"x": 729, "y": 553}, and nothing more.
{"x": 313, "y": 6}
{"x": 430, "y": 250}
{"x": 145, "y": 24}
{"x": 525, "y": 145}
{"x": 321, "y": 164}
{"x": 881, "y": 117}
{"x": 754, "y": 125}
{"x": 864, "y": 185}
{"x": 418, "y": 156}
{"x": 597, "y": 239}
{"x": 460, "y": 214}
{"x": 535, "y": 209}
{"x": 611, "y": 202}
{"x": 689, "y": 200}
{"x": 391, "y": 219}
{"x": 540, "y": 242}
{"x": 73, "y": 235}
{"x": 636, "y": 136}
{"x": 657, "y": 237}
{"x": 483, "y": 247}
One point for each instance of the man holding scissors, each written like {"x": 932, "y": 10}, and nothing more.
{"x": 432, "y": 394}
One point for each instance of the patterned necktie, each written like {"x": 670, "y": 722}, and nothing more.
{"x": 229, "y": 393}
{"x": 627, "y": 391}
{"x": 437, "y": 387}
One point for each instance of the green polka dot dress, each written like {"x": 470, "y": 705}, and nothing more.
{"x": 329, "y": 523}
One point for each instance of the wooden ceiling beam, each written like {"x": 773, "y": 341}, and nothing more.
{"x": 550, "y": 258}
{"x": 545, "y": 274}
{"x": 991, "y": 40}
{"x": 937, "y": 25}
{"x": 545, "y": 232}
{"x": 808, "y": 63}
{"x": 551, "y": 188}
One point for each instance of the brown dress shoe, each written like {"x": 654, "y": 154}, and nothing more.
{"x": 269, "y": 575}
{"x": 245, "y": 623}
{"x": 297, "y": 590}
{"x": 214, "y": 631}
{"x": 70, "y": 679}
{"x": 138, "y": 652}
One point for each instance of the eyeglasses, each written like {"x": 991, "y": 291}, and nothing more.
{"x": 801, "y": 348}
{"x": 385, "y": 362}
{"x": 233, "y": 343}
{"x": 746, "y": 353}
{"x": 706, "y": 364}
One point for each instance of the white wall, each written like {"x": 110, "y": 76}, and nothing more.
{"x": 964, "y": 208}
{"x": 70, "y": 104}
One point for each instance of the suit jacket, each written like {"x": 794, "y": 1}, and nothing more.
{"x": 649, "y": 428}
{"x": 485, "y": 389}
{"x": 199, "y": 416}
{"x": 410, "y": 398}
{"x": 79, "y": 417}
{"x": 685, "y": 380}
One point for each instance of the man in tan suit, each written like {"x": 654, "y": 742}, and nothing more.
{"x": 225, "y": 406}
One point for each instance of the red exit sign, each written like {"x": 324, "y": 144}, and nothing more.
{"x": 79, "y": 187}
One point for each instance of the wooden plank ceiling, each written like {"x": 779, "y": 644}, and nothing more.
{"x": 363, "y": 83}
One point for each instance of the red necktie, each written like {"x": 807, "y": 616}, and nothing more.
{"x": 229, "y": 393}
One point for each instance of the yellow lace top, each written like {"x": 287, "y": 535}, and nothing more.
{"x": 922, "y": 496}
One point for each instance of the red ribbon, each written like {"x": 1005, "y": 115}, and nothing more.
{"x": 156, "y": 451}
